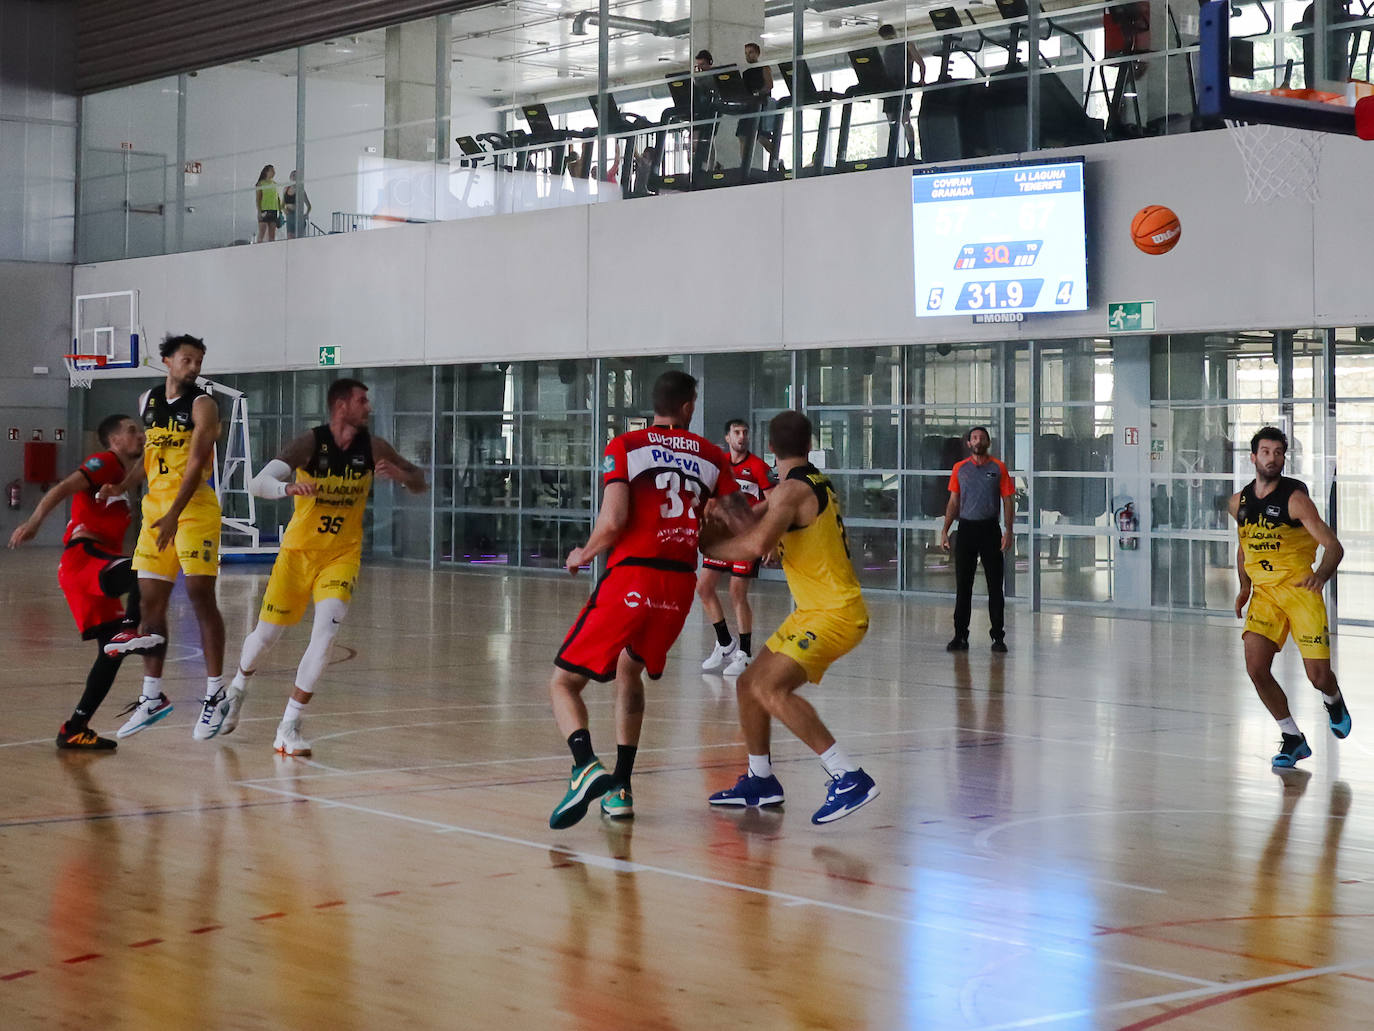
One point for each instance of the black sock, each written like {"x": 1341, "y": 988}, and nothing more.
{"x": 746, "y": 641}
{"x": 722, "y": 633}
{"x": 98, "y": 683}
{"x": 580, "y": 741}
{"x": 624, "y": 764}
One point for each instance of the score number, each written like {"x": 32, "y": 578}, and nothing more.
{"x": 1013, "y": 294}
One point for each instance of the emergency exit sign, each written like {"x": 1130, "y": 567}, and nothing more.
{"x": 330, "y": 355}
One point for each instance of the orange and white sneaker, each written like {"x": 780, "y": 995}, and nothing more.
{"x": 289, "y": 740}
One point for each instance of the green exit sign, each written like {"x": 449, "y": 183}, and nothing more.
{"x": 330, "y": 355}
{"x": 1131, "y": 316}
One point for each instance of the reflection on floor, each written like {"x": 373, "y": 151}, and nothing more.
{"x": 1084, "y": 833}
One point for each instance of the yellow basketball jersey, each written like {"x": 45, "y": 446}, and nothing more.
{"x": 1277, "y": 547}
{"x": 168, "y": 425}
{"x": 332, "y": 517}
{"x": 815, "y": 558}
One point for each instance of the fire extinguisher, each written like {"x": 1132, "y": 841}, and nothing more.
{"x": 1127, "y": 522}
{"x": 12, "y": 492}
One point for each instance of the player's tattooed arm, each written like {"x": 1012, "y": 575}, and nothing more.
{"x": 392, "y": 466}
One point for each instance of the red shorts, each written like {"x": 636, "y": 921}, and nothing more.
{"x": 636, "y": 609}
{"x": 78, "y": 574}
{"x": 745, "y": 569}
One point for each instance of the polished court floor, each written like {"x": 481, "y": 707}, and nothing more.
{"x": 1084, "y": 833}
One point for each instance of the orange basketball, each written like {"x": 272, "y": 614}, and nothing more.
{"x": 1155, "y": 229}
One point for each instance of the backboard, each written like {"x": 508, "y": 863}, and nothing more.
{"x": 1313, "y": 73}
{"x": 107, "y": 325}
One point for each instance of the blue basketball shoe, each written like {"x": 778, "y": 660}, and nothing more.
{"x": 1293, "y": 748}
{"x": 846, "y": 793}
{"x": 1339, "y": 717}
{"x": 750, "y": 791}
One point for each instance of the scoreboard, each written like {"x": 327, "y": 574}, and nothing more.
{"x": 1005, "y": 238}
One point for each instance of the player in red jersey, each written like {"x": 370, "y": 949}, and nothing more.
{"x": 94, "y": 573}
{"x": 656, "y": 480}
{"x": 730, "y": 655}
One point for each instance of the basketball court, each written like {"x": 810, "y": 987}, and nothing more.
{"x": 1082, "y": 834}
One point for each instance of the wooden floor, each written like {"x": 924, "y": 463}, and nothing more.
{"x": 1083, "y": 834}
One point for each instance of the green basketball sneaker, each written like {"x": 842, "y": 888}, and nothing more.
{"x": 586, "y": 784}
{"x": 618, "y": 804}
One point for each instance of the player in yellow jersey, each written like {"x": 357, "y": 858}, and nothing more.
{"x": 321, "y": 550}
{"x": 1279, "y": 533}
{"x": 181, "y": 521}
{"x": 800, "y": 518}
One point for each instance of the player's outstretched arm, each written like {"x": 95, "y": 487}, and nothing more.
{"x": 1300, "y": 506}
{"x": 392, "y": 466}
{"x": 784, "y": 509}
{"x": 274, "y": 479}
{"x": 611, "y": 521}
{"x": 28, "y": 529}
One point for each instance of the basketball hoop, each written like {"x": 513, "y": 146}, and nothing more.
{"x": 81, "y": 368}
{"x": 1279, "y": 162}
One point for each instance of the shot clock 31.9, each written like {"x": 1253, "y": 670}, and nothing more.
{"x": 1004, "y": 238}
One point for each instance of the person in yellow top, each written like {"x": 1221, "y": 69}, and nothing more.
{"x": 268, "y": 201}
{"x": 801, "y": 520}
{"x": 1279, "y": 532}
{"x": 321, "y": 550}
{"x": 181, "y": 422}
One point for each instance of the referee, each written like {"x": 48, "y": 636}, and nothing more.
{"x": 975, "y": 486}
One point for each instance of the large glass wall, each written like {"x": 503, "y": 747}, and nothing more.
{"x": 517, "y": 107}
{"x": 512, "y": 449}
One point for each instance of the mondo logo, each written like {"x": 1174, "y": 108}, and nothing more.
{"x": 634, "y": 599}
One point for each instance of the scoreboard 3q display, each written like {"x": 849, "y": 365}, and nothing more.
{"x": 1001, "y": 238}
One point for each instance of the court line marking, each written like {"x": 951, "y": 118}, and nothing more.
{"x": 1183, "y": 996}
{"x": 624, "y": 866}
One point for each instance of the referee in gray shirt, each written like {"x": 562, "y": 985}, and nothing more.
{"x": 978, "y": 487}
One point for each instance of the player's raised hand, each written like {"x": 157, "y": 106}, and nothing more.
{"x": 301, "y": 490}
{"x": 390, "y": 471}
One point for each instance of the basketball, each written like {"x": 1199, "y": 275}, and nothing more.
{"x": 1155, "y": 229}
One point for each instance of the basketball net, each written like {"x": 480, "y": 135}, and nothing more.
{"x": 81, "y": 368}
{"x": 1279, "y": 162}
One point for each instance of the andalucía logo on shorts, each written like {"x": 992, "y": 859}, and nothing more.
{"x": 633, "y": 599}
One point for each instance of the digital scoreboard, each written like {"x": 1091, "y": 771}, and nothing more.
{"x": 1000, "y": 239}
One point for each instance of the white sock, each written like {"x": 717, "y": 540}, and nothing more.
{"x": 1331, "y": 699}
{"x": 152, "y": 687}
{"x": 240, "y": 681}
{"x": 212, "y": 685}
{"x": 760, "y": 766}
{"x": 293, "y": 711}
{"x": 1290, "y": 726}
{"x": 836, "y": 762}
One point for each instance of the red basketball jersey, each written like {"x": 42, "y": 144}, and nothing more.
{"x": 754, "y": 477}
{"x": 105, "y": 520}
{"x": 671, "y": 472}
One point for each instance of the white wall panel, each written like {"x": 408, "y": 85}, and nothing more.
{"x": 695, "y": 272}
{"x": 798, "y": 264}
{"x": 511, "y": 286}
{"x": 362, "y": 291}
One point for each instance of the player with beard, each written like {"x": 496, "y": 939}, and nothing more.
{"x": 1279, "y": 532}
{"x": 978, "y": 487}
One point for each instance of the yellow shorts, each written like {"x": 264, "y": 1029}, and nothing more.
{"x": 815, "y": 638}
{"x": 194, "y": 550}
{"x": 1276, "y": 610}
{"x": 299, "y": 577}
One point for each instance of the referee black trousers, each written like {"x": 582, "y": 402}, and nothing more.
{"x": 976, "y": 540}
